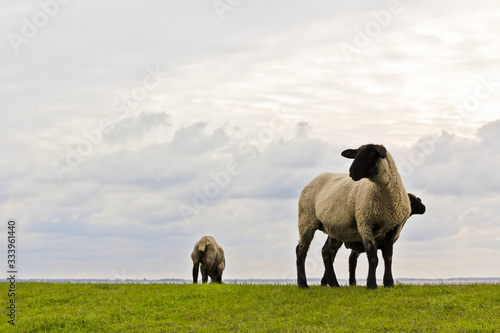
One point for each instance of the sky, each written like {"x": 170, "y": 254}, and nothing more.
{"x": 132, "y": 129}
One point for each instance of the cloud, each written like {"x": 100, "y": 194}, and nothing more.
{"x": 489, "y": 134}
{"x": 457, "y": 166}
{"x": 457, "y": 181}
{"x": 132, "y": 196}
{"x": 133, "y": 128}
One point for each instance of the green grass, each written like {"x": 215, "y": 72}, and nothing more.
{"x": 65, "y": 307}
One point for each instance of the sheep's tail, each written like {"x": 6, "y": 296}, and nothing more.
{"x": 202, "y": 247}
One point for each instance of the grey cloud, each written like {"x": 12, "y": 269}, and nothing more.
{"x": 116, "y": 197}
{"x": 193, "y": 140}
{"x": 489, "y": 134}
{"x": 302, "y": 128}
{"x": 133, "y": 128}
{"x": 185, "y": 155}
{"x": 456, "y": 165}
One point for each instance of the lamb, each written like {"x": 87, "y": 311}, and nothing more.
{"x": 417, "y": 207}
{"x": 369, "y": 203}
{"x": 210, "y": 256}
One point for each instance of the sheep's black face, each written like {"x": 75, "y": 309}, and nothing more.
{"x": 366, "y": 160}
{"x": 417, "y": 207}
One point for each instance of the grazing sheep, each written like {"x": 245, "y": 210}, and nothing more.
{"x": 417, "y": 207}
{"x": 210, "y": 256}
{"x": 360, "y": 207}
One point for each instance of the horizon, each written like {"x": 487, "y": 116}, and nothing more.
{"x": 313, "y": 281}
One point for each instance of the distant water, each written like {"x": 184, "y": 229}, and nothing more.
{"x": 311, "y": 281}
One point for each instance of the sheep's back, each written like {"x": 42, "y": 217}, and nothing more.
{"x": 212, "y": 253}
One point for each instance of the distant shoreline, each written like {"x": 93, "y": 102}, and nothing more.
{"x": 312, "y": 281}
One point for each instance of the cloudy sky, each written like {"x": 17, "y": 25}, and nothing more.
{"x": 131, "y": 129}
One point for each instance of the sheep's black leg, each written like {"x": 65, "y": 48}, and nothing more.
{"x": 329, "y": 252}
{"x": 387, "y": 251}
{"x": 204, "y": 275}
{"x": 353, "y": 262}
{"x": 195, "y": 272}
{"x": 219, "y": 275}
{"x": 324, "y": 281}
{"x": 301, "y": 251}
{"x": 307, "y": 228}
{"x": 371, "y": 252}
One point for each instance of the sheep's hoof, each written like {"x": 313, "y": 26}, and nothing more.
{"x": 303, "y": 286}
{"x": 334, "y": 283}
{"x": 371, "y": 287}
{"x": 389, "y": 284}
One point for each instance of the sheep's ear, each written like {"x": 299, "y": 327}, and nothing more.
{"x": 382, "y": 151}
{"x": 349, "y": 153}
{"x": 413, "y": 198}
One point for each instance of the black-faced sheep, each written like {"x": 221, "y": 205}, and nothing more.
{"x": 360, "y": 207}
{"x": 210, "y": 256}
{"x": 417, "y": 207}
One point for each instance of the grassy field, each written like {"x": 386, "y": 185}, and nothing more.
{"x": 65, "y": 307}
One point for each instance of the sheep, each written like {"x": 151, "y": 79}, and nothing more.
{"x": 417, "y": 207}
{"x": 360, "y": 206}
{"x": 210, "y": 256}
